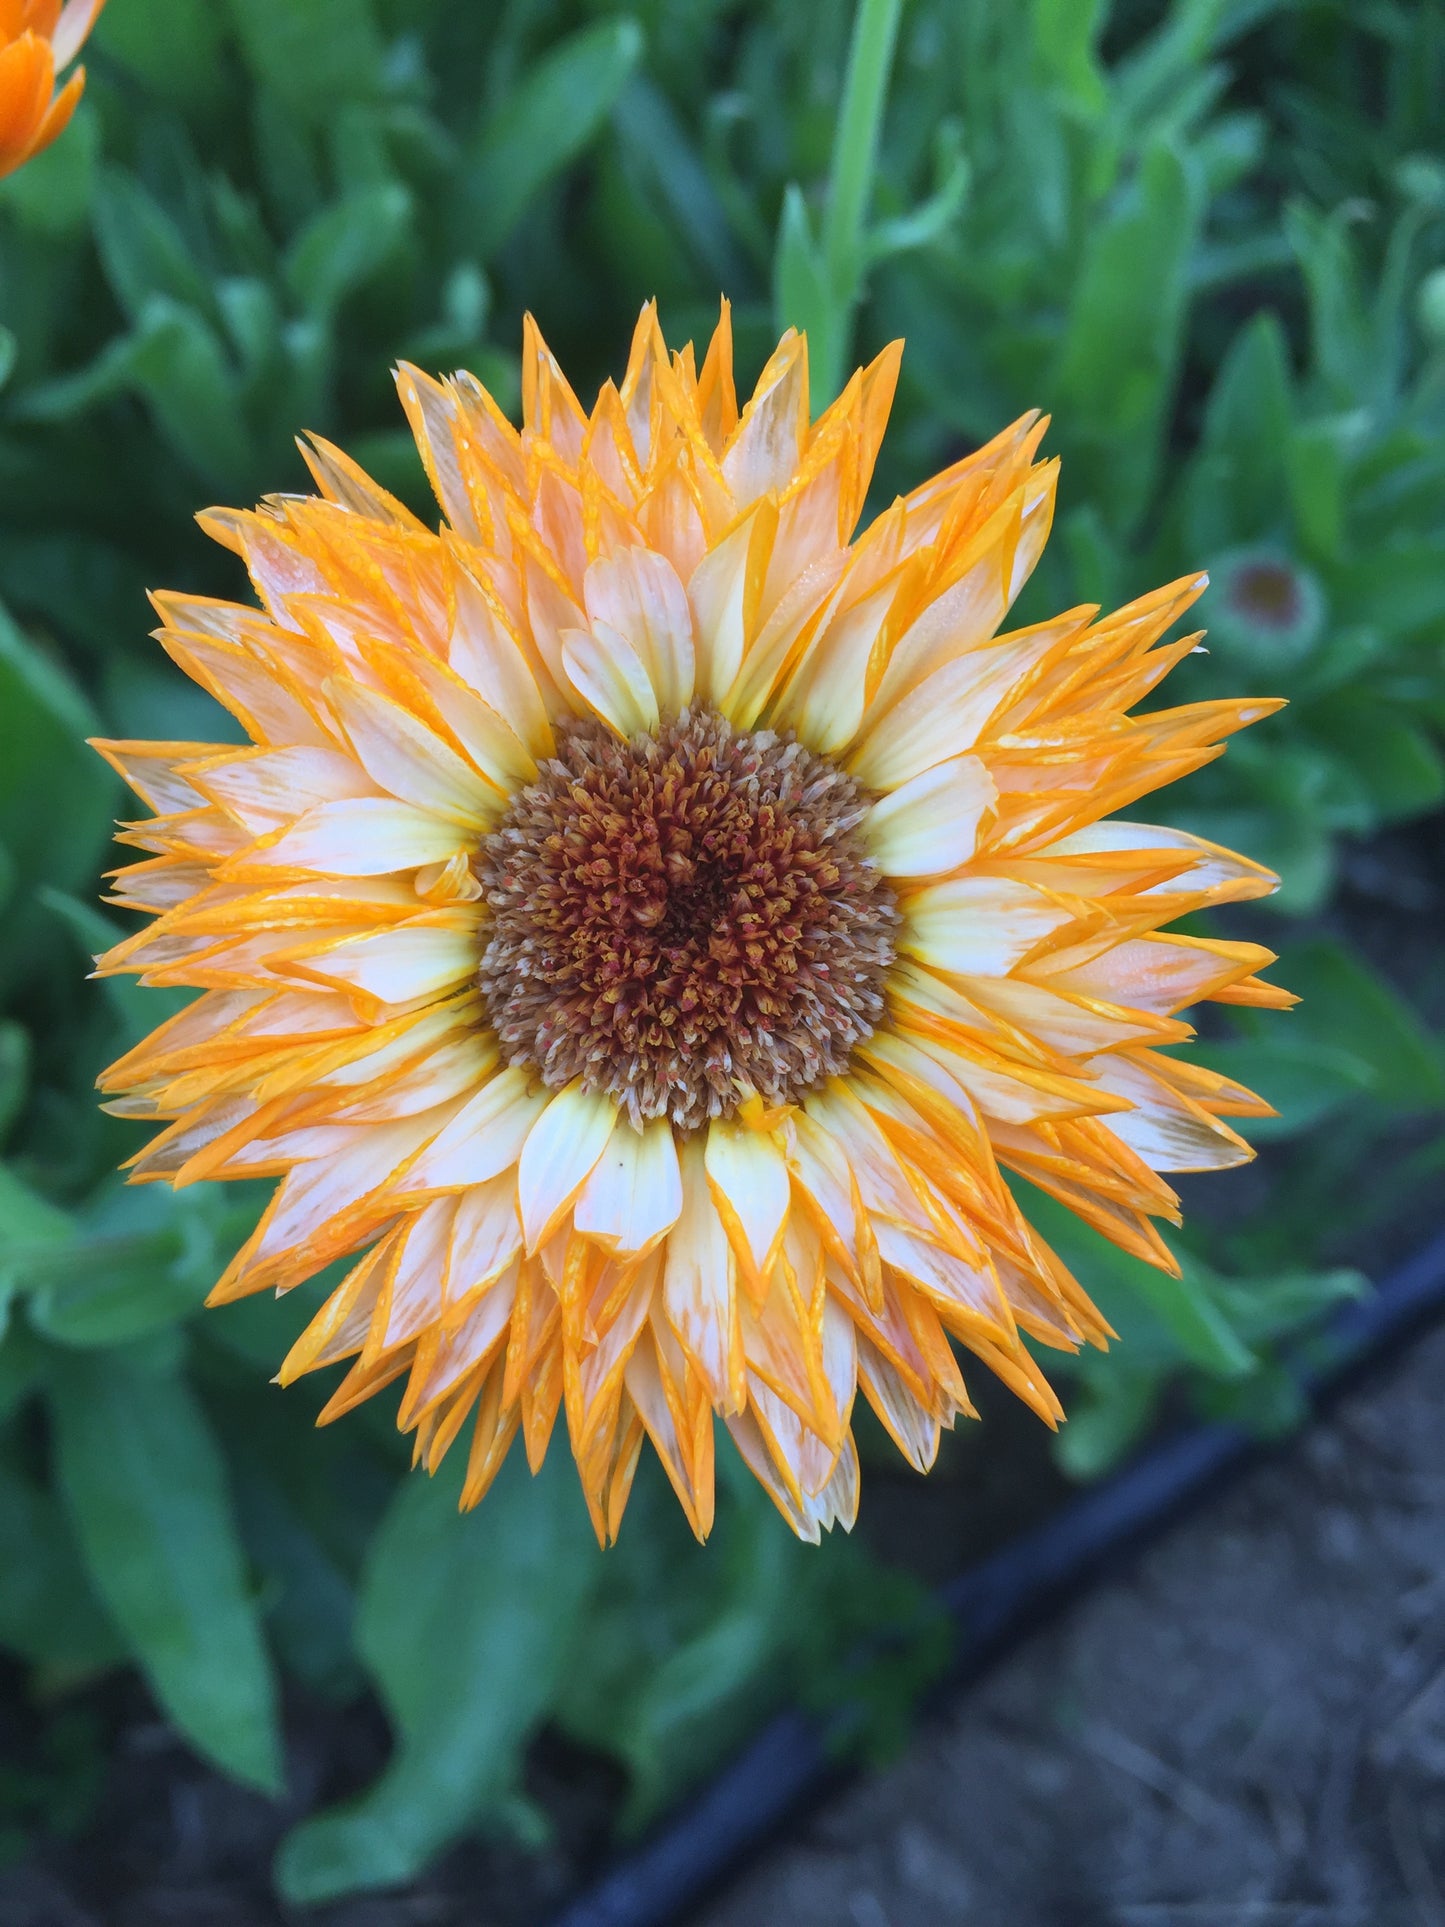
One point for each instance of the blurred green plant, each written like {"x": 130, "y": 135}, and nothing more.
{"x": 1208, "y": 234}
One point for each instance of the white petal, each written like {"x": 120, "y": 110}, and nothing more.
{"x": 1167, "y": 1131}
{"x": 610, "y": 677}
{"x": 749, "y": 1182}
{"x": 486, "y": 655}
{"x": 77, "y": 17}
{"x": 946, "y": 712}
{"x": 718, "y": 590}
{"x": 1213, "y": 864}
{"x": 977, "y": 925}
{"x": 486, "y": 1236}
{"x": 767, "y": 443}
{"x": 825, "y": 701}
{"x": 406, "y": 758}
{"x": 268, "y": 789}
{"x": 362, "y": 836}
{"x": 401, "y": 964}
{"x": 557, "y": 1159}
{"x": 638, "y": 594}
{"x": 484, "y": 1139}
{"x": 635, "y": 1192}
{"x": 698, "y": 1292}
{"x": 930, "y": 824}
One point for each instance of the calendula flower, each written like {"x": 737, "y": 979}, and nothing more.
{"x": 647, "y": 923}
{"x": 37, "y": 39}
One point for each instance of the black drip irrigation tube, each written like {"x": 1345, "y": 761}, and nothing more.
{"x": 794, "y": 1757}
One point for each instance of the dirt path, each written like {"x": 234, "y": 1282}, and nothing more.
{"x": 1246, "y": 1728}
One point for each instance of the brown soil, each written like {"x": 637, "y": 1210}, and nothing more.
{"x": 1245, "y": 1728}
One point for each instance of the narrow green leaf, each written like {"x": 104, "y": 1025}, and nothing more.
{"x": 549, "y": 117}
{"x": 1121, "y": 341}
{"x": 147, "y": 1492}
{"x": 143, "y": 251}
{"x": 803, "y": 296}
{"x": 1343, "y": 999}
{"x": 313, "y": 57}
{"x": 48, "y": 1613}
{"x": 56, "y": 796}
{"x": 346, "y": 245}
{"x": 464, "y": 1623}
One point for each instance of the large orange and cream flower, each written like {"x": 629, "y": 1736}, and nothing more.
{"x": 37, "y": 39}
{"x": 648, "y": 922}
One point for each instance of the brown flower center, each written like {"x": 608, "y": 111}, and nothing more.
{"x": 682, "y": 919}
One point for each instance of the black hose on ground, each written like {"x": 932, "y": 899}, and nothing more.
{"x": 793, "y": 1758}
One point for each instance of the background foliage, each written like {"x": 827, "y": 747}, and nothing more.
{"x": 1207, "y": 234}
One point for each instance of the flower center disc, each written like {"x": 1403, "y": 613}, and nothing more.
{"x": 684, "y": 918}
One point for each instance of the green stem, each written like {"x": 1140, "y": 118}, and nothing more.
{"x": 855, "y": 145}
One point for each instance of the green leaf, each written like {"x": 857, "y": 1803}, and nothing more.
{"x": 14, "y": 1073}
{"x": 803, "y": 296}
{"x": 346, "y": 245}
{"x": 1109, "y": 1413}
{"x": 1276, "y": 1304}
{"x": 143, "y": 251}
{"x": 48, "y": 1613}
{"x": 146, "y": 1489}
{"x": 138, "y": 1009}
{"x": 1397, "y": 761}
{"x": 1184, "y": 1311}
{"x": 1306, "y": 1078}
{"x": 1121, "y": 342}
{"x": 313, "y": 57}
{"x": 56, "y": 795}
{"x": 1343, "y": 999}
{"x": 29, "y": 1224}
{"x": 1246, "y": 429}
{"x": 50, "y": 195}
{"x": 548, "y": 118}
{"x": 177, "y": 47}
{"x": 177, "y": 361}
{"x": 464, "y": 1623}
{"x": 142, "y": 1258}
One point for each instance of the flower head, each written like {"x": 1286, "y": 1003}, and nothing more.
{"x": 37, "y": 39}
{"x": 647, "y": 923}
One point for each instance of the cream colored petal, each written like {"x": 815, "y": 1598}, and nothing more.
{"x": 748, "y": 1179}
{"x": 912, "y": 1427}
{"x": 634, "y": 1194}
{"x": 557, "y": 1159}
{"x": 969, "y": 611}
{"x": 611, "y": 678}
{"x": 638, "y": 595}
{"x": 826, "y": 699}
{"x": 1165, "y": 1129}
{"x": 362, "y": 836}
{"x": 768, "y": 443}
{"x": 77, "y": 17}
{"x": 268, "y": 791}
{"x": 484, "y": 1139}
{"x": 488, "y": 739}
{"x": 411, "y": 1299}
{"x": 930, "y": 824}
{"x": 946, "y": 712}
{"x": 406, "y": 758}
{"x": 978, "y": 926}
{"x": 488, "y": 657}
{"x": 486, "y": 1237}
{"x": 720, "y": 591}
{"x": 1213, "y": 865}
{"x": 403, "y": 963}
{"x": 698, "y": 1290}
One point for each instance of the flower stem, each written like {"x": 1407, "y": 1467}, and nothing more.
{"x": 855, "y": 144}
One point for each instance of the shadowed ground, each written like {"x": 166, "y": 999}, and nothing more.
{"x": 1244, "y": 1728}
